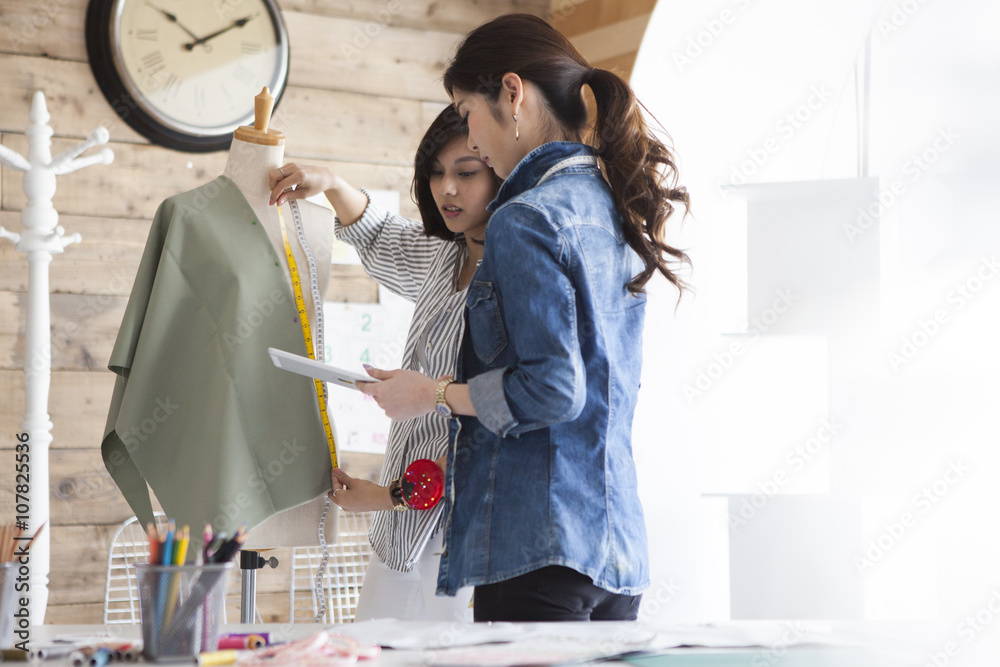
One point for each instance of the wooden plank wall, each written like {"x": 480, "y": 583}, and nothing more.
{"x": 607, "y": 32}
{"x": 362, "y": 112}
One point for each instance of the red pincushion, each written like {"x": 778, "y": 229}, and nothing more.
{"x": 422, "y": 484}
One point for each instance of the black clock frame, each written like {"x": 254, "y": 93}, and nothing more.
{"x": 100, "y": 13}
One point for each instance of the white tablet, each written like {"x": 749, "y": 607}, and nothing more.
{"x": 316, "y": 369}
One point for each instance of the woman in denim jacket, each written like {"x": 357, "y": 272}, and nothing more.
{"x": 544, "y": 516}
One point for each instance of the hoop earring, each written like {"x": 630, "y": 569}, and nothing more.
{"x": 517, "y": 128}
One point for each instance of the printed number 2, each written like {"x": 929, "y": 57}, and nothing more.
{"x": 366, "y": 322}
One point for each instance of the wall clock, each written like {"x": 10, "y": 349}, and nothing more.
{"x": 183, "y": 73}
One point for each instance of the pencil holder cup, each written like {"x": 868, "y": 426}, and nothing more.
{"x": 8, "y": 603}
{"x": 181, "y": 608}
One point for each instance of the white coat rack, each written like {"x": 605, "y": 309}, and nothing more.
{"x": 40, "y": 238}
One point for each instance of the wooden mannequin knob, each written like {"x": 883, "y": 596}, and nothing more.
{"x": 263, "y": 104}
{"x": 259, "y": 134}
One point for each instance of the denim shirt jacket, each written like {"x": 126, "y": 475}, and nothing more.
{"x": 552, "y": 355}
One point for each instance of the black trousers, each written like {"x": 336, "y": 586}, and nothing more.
{"x": 552, "y": 593}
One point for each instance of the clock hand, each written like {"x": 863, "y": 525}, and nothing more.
{"x": 173, "y": 19}
{"x": 239, "y": 23}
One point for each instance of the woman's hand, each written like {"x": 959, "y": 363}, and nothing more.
{"x": 297, "y": 181}
{"x": 358, "y": 495}
{"x": 402, "y": 394}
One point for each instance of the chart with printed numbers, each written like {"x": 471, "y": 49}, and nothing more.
{"x": 364, "y": 333}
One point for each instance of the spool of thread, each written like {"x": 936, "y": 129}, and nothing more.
{"x": 227, "y": 657}
{"x": 128, "y": 652}
{"x": 242, "y": 642}
{"x": 100, "y": 657}
{"x": 266, "y": 636}
{"x": 51, "y": 651}
{"x": 81, "y": 656}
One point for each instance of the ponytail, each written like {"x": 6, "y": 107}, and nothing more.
{"x": 642, "y": 173}
{"x": 639, "y": 167}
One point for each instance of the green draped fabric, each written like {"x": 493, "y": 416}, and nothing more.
{"x": 199, "y": 412}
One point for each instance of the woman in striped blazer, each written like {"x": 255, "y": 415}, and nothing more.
{"x": 430, "y": 263}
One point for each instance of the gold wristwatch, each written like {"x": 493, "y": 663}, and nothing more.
{"x": 441, "y": 405}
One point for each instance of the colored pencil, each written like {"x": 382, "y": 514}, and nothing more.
{"x": 154, "y": 542}
{"x": 168, "y": 543}
{"x": 10, "y": 536}
{"x": 229, "y": 549}
{"x": 182, "y": 546}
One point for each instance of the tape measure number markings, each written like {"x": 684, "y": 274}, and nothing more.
{"x": 300, "y": 305}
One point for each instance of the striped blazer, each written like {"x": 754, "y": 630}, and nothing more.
{"x": 395, "y": 253}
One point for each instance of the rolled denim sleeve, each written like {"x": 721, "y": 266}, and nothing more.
{"x": 546, "y": 384}
{"x": 486, "y": 392}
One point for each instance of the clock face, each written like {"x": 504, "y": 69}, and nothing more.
{"x": 185, "y": 72}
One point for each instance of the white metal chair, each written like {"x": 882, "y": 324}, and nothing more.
{"x": 342, "y": 581}
{"x": 345, "y": 573}
{"x": 129, "y": 546}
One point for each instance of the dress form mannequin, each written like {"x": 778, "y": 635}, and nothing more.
{"x": 255, "y": 151}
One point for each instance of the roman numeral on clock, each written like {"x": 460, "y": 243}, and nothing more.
{"x": 153, "y": 62}
{"x": 171, "y": 86}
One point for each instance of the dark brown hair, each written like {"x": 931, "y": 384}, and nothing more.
{"x": 639, "y": 167}
{"x": 447, "y": 126}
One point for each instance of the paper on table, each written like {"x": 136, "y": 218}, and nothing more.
{"x": 552, "y": 644}
{"x": 739, "y": 635}
{"x": 413, "y": 635}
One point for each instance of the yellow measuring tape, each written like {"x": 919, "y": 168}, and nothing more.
{"x": 300, "y": 305}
